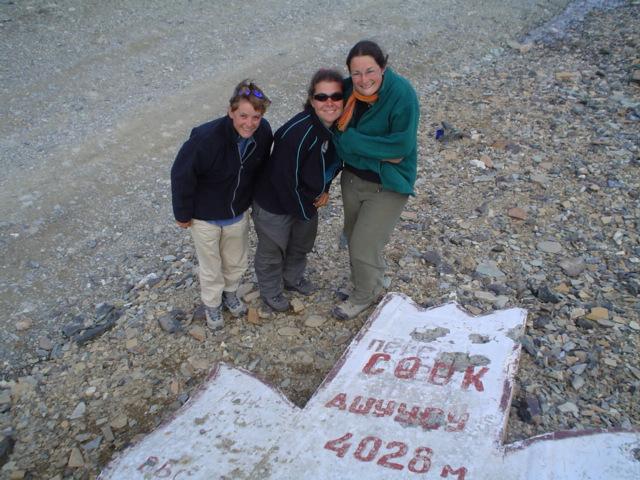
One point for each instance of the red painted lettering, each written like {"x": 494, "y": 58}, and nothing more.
{"x": 456, "y": 424}
{"x": 471, "y": 377}
{"x": 359, "y": 408}
{"x": 407, "y": 367}
{"x": 375, "y": 448}
{"x": 401, "y": 452}
{"x": 378, "y": 411}
{"x": 339, "y": 402}
{"x": 421, "y": 461}
{"x": 441, "y": 373}
{"x": 369, "y": 367}
{"x": 459, "y": 473}
{"x": 431, "y": 418}
{"x": 403, "y": 416}
{"x": 335, "y": 445}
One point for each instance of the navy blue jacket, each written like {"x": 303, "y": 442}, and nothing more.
{"x": 301, "y": 167}
{"x": 209, "y": 180}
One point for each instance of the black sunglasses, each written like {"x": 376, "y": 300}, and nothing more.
{"x": 246, "y": 91}
{"x": 323, "y": 97}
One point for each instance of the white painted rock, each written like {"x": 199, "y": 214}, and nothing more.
{"x": 418, "y": 394}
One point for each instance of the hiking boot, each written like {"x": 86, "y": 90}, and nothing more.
{"x": 348, "y": 310}
{"x": 304, "y": 286}
{"x": 344, "y": 292}
{"x": 214, "y": 317}
{"x": 232, "y": 303}
{"x": 279, "y": 302}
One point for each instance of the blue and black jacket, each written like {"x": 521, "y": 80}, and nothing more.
{"x": 210, "y": 180}
{"x": 301, "y": 167}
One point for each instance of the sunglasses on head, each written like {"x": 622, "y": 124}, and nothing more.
{"x": 247, "y": 91}
{"x": 323, "y": 97}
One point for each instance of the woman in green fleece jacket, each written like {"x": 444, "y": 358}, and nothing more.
{"x": 377, "y": 141}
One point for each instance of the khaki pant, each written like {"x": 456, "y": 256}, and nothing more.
{"x": 370, "y": 215}
{"x": 222, "y": 256}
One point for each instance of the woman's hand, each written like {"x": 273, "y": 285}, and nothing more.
{"x": 322, "y": 200}
{"x": 184, "y": 224}
{"x": 392, "y": 160}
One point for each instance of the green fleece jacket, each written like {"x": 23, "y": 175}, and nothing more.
{"x": 386, "y": 130}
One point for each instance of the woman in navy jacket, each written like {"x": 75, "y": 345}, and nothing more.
{"x": 212, "y": 181}
{"x": 294, "y": 183}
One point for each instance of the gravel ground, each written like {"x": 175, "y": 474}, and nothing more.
{"x": 96, "y": 98}
{"x": 536, "y": 206}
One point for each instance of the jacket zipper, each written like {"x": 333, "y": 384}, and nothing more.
{"x": 233, "y": 212}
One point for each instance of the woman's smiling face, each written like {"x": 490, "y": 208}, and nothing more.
{"x": 366, "y": 74}
{"x": 328, "y": 110}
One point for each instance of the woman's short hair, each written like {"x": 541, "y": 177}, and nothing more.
{"x": 322, "y": 75}
{"x": 370, "y": 48}
{"x": 247, "y": 90}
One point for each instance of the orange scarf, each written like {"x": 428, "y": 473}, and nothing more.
{"x": 349, "y": 108}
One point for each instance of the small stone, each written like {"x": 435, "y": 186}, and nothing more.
{"x": 297, "y": 305}
{"x": 576, "y": 313}
{"x": 490, "y": 269}
{"x": 633, "y": 325}
{"x": 529, "y": 409}
{"x": 484, "y": 296}
{"x": 265, "y": 312}
{"x": 598, "y": 313}
{"x": 603, "y": 322}
{"x": 92, "y": 445}
{"x": 409, "y": 216}
{"x": 198, "y": 332}
{"x": 131, "y": 344}
{"x": 545, "y": 295}
{"x": 577, "y": 383}
{"x": 107, "y": 433}
{"x": 520, "y": 47}
{"x": 119, "y": 422}
{"x": 89, "y": 392}
{"x": 517, "y": 213}
{"x": 76, "y": 460}
{"x": 253, "y": 317}
{"x": 314, "y": 321}
{"x": 569, "y": 407}
{"x": 24, "y": 324}
{"x": 199, "y": 363}
{"x": 565, "y": 76}
{"x": 549, "y": 247}
{"x": 169, "y": 323}
{"x": 572, "y": 266}
{"x": 486, "y": 159}
{"x": 79, "y": 411}
{"x": 288, "y": 331}
{"x": 478, "y": 164}
{"x": 586, "y": 324}
{"x": 45, "y": 343}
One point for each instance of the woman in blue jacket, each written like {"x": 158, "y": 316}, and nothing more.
{"x": 294, "y": 183}
{"x": 212, "y": 181}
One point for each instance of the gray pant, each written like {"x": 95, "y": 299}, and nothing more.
{"x": 283, "y": 244}
{"x": 370, "y": 215}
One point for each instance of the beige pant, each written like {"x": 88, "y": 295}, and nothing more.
{"x": 222, "y": 256}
